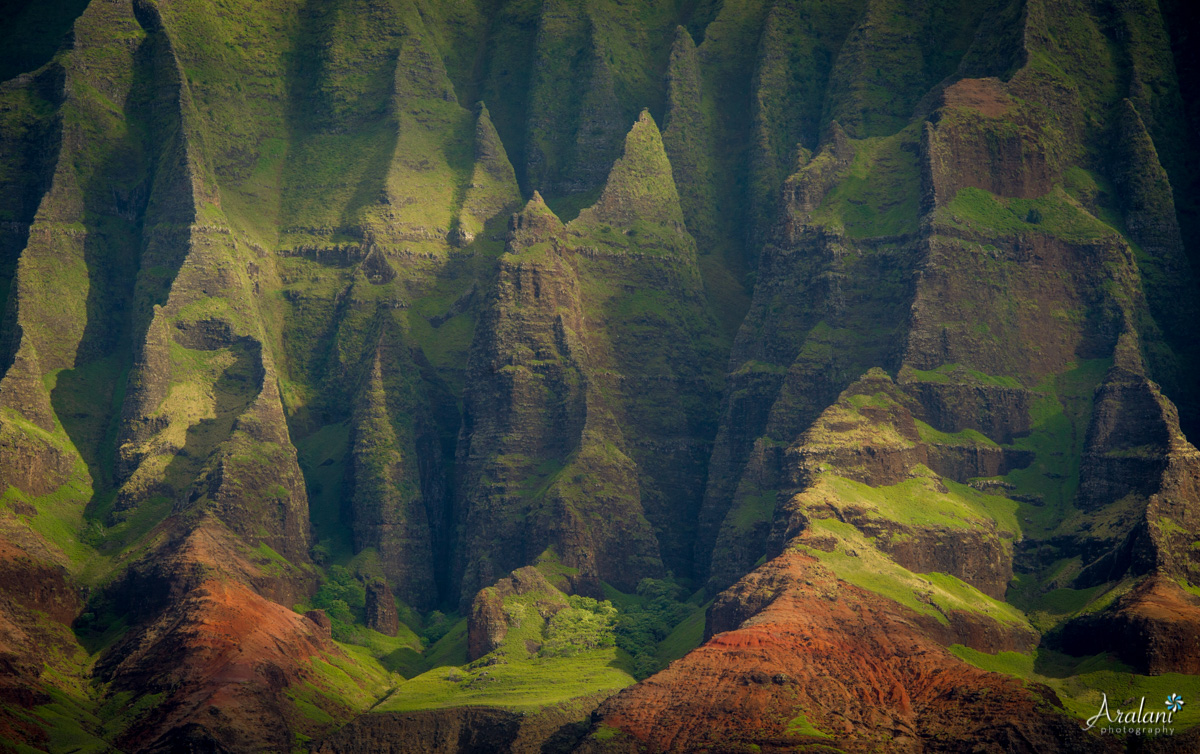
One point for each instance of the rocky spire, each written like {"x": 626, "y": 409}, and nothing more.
{"x": 493, "y": 185}
{"x": 640, "y": 187}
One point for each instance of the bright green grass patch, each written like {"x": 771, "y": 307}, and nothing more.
{"x": 999, "y": 508}
{"x": 948, "y": 373}
{"x": 920, "y": 502}
{"x": 525, "y": 686}
{"x": 1055, "y": 214}
{"x": 308, "y": 710}
{"x": 1010, "y": 663}
{"x": 355, "y": 679}
{"x": 875, "y": 197}
{"x": 965, "y": 437}
{"x": 800, "y": 726}
{"x": 928, "y": 594}
{"x": 606, "y": 733}
{"x": 1080, "y": 682}
{"x": 59, "y": 518}
{"x": 395, "y": 654}
{"x": 451, "y": 649}
{"x": 1059, "y": 416}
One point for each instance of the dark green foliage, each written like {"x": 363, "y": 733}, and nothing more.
{"x": 343, "y": 597}
{"x": 437, "y": 625}
{"x": 586, "y": 624}
{"x": 641, "y": 625}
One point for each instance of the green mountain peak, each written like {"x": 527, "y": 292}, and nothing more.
{"x": 493, "y": 185}
{"x": 640, "y": 187}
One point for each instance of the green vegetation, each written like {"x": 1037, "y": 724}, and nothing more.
{"x": 1047, "y": 608}
{"x": 589, "y": 646}
{"x": 957, "y": 373}
{"x": 541, "y": 661}
{"x": 967, "y": 437}
{"x": 874, "y": 197}
{"x": 800, "y": 726}
{"x": 644, "y": 626}
{"x": 1060, "y": 415}
{"x": 450, "y": 648}
{"x": 523, "y": 686}
{"x": 921, "y": 502}
{"x": 685, "y": 637}
{"x": 1057, "y": 214}
{"x": 856, "y": 560}
{"x": 1080, "y": 681}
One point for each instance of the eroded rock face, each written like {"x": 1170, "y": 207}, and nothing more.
{"x": 991, "y": 142}
{"x": 36, "y": 585}
{"x": 488, "y": 624}
{"x": 321, "y": 620}
{"x": 459, "y": 731}
{"x": 212, "y": 639}
{"x": 811, "y": 648}
{"x": 381, "y": 609}
{"x": 397, "y": 499}
{"x": 870, "y": 437}
{"x": 591, "y": 371}
{"x": 1139, "y": 473}
{"x": 38, "y": 603}
{"x": 1153, "y": 628}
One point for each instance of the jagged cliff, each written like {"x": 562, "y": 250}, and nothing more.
{"x": 377, "y": 374}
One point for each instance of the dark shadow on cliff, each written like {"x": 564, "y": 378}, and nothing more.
{"x": 33, "y": 30}
{"x": 233, "y": 392}
{"x": 140, "y": 182}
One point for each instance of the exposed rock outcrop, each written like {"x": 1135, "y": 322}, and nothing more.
{"x": 583, "y": 429}
{"x": 789, "y": 676}
{"x": 381, "y": 609}
{"x": 487, "y": 624}
{"x": 1153, "y": 628}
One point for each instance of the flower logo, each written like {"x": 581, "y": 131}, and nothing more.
{"x": 1174, "y": 702}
